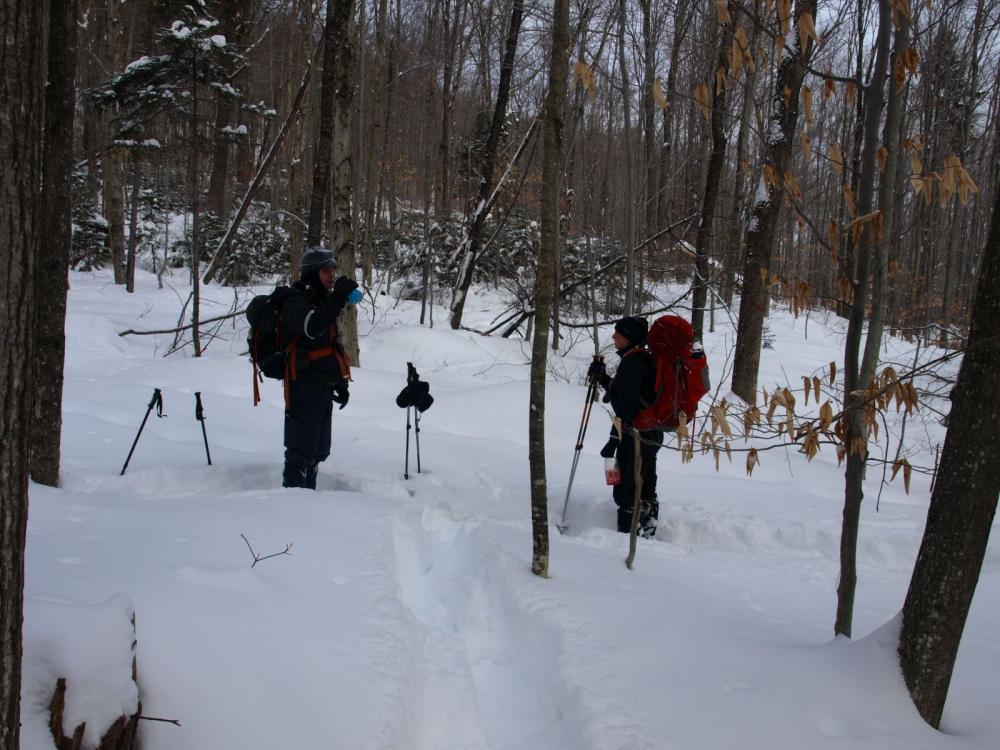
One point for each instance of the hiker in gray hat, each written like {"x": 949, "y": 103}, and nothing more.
{"x": 318, "y": 369}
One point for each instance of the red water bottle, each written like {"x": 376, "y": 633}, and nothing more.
{"x": 612, "y": 475}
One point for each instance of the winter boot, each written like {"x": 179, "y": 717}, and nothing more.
{"x": 624, "y": 520}
{"x": 294, "y": 475}
{"x": 311, "y": 473}
{"x": 648, "y": 518}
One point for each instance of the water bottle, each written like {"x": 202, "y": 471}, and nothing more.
{"x": 612, "y": 475}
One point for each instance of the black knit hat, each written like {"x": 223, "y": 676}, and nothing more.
{"x": 633, "y": 328}
{"x": 315, "y": 258}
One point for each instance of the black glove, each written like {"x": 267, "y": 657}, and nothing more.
{"x": 597, "y": 371}
{"x": 344, "y": 286}
{"x": 608, "y": 451}
{"x": 341, "y": 395}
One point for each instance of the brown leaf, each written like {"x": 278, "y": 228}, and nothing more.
{"x": 816, "y": 385}
{"x": 722, "y": 12}
{"x": 752, "y": 460}
{"x": 659, "y": 96}
{"x": 825, "y": 416}
{"x": 807, "y": 104}
{"x": 807, "y": 387}
{"x": 807, "y": 29}
{"x": 704, "y": 101}
{"x": 833, "y": 372}
{"x": 829, "y": 87}
{"x": 792, "y": 186}
{"x": 849, "y": 197}
{"x": 836, "y": 157}
{"x": 583, "y": 75}
{"x": 806, "y": 142}
{"x": 832, "y": 235}
{"x": 899, "y": 75}
{"x": 883, "y": 156}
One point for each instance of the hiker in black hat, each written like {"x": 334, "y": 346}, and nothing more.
{"x": 630, "y": 390}
{"x": 318, "y": 369}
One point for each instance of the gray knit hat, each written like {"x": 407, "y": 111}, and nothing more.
{"x": 315, "y": 258}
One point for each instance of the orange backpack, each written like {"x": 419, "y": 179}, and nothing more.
{"x": 681, "y": 374}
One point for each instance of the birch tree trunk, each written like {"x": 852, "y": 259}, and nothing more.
{"x": 558, "y": 70}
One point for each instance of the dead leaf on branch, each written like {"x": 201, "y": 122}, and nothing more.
{"x": 807, "y": 30}
{"x": 902, "y": 463}
{"x": 659, "y": 96}
{"x": 752, "y": 460}
{"x": 703, "y": 100}
{"x": 584, "y": 75}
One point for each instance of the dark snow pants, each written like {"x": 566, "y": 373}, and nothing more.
{"x": 624, "y": 491}
{"x": 307, "y": 430}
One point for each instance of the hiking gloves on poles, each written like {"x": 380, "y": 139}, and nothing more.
{"x": 597, "y": 371}
{"x": 340, "y": 394}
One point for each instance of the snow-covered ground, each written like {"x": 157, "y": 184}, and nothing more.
{"x": 405, "y": 615}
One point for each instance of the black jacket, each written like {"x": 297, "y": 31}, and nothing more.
{"x": 633, "y": 387}
{"x": 310, "y": 317}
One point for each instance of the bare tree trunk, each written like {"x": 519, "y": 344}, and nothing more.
{"x": 963, "y": 503}
{"x": 133, "y": 223}
{"x": 342, "y": 228}
{"x": 665, "y": 207}
{"x": 703, "y": 238}
{"x": 234, "y": 18}
{"x": 195, "y": 193}
{"x": 114, "y": 207}
{"x": 473, "y": 238}
{"x": 764, "y": 215}
{"x": 377, "y": 126}
{"x": 733, "y": 258}
{"x": 333, "y": 38}
{"x": 558, "y": 70}
{"x": 54, "y": 248}
{"x": 21, "y": 105}
{"x": 628, "y": 241}
{"x": 855, "y": 378}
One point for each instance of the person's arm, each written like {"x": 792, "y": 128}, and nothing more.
{"x": 625, "y": 391}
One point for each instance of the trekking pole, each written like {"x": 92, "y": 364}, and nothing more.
{"x": 636, "y": 496}
{"x": 199, "y": 414}
{"x": 406, "y": 466}
{"x": 157, "y": 401}
{"x": 416, "y": 430}
{"x": 584, "y": 421}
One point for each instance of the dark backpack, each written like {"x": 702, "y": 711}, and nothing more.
{"x": 681, "y": 374}
{"x": 267, "y": 350}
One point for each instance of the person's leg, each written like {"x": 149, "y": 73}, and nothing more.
{"x": 624, "y": 491}
{"x": 651, "y": 443}
{"x": 303, "y": 422}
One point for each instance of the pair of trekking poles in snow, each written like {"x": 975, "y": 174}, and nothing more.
{"x": 156, "y": 402}
{"x": 416, "y": 396}
{"x": 581, "y": 433}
